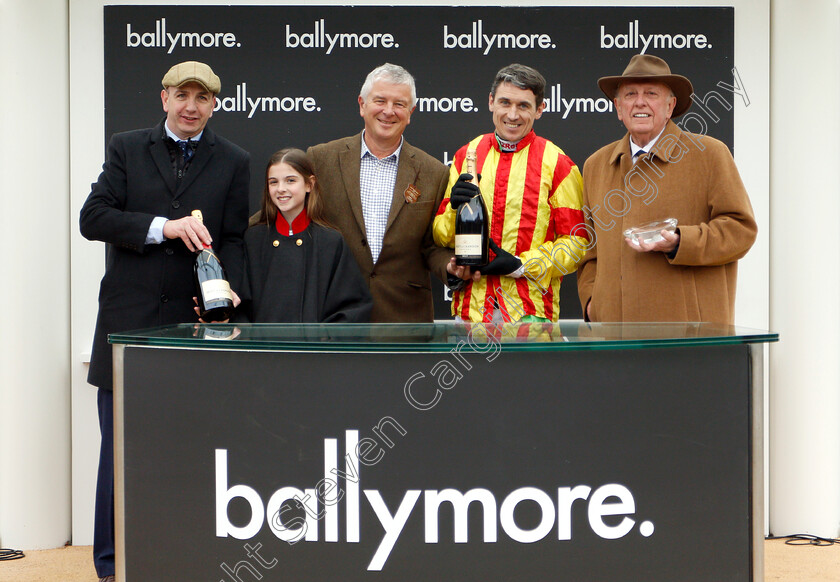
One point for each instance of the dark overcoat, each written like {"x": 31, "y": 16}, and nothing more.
{"x": 148, "y": 285}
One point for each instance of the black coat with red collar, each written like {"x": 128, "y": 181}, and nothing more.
{"x": 308, "y": 277}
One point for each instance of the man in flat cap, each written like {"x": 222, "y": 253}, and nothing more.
{"x": 140, "y": 206}
{"x": 655, "y": 172}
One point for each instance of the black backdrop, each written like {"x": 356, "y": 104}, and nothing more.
{"x": 284, "y": 84}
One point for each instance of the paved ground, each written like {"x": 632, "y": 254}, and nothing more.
{"x": 782, "y": 563}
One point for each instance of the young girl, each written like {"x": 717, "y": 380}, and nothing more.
{"x": 299, "y": 270}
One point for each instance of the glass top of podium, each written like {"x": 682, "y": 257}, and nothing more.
{"x": 441, "y": 337}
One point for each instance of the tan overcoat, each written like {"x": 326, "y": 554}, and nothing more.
{"x": 399, "y": 281}
{"x": 689, "y": 177}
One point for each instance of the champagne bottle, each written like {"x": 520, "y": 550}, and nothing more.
{"x": 472, "y": 231}
{"x": 215, "y": 300}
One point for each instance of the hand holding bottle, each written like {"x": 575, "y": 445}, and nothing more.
{"x": 463, "y": 191}
{"x": 213, "y": 293}
{"x": 457, "y": 275}
{"x": 190, "y": 230}
{"x": 504, "y": 263}
{"x": 197, "y": 309}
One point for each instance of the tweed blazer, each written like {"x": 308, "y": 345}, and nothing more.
{"x": 399, "y": 281}
{"x": 689, "y": 177}
{"x": 147, "y": 285}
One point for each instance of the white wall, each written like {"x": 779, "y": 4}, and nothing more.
{"x": 87, "y": 120}
{"x": 805, "y": 277}
{"x": 34, "y": 348}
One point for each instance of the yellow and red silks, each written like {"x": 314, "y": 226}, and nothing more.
{"x": 534, "y": 198}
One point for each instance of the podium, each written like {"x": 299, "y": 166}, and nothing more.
{"x": 446, "y": 452}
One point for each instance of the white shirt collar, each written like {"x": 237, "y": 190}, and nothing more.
{"x": 396, "y": 152}
{"x": 176, "y": 138}
{"x": 648, "y": 146}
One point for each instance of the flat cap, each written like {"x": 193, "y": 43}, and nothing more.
{"x": 192, "y": 72}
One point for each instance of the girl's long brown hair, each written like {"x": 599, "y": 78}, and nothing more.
{"x": 313, "y": 204}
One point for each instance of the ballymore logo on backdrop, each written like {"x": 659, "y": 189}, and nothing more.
{"x": 241, "y": 102}
{"x": 477, "y": 38}
{"x": 633, "y": 39}
{"x": 161, "y": 38}
{"x": 293, "y": 513}
{"x": 555, "y": 102}
{"x": 319, "y": 38}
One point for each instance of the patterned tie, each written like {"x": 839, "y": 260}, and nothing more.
{"x": 187, "y": 149}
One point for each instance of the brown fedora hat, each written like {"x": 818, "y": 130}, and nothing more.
{"x": 648, "y": 68}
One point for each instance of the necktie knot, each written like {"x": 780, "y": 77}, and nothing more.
{"x": 187, "y": 148}
{"x": 639, "y": 155}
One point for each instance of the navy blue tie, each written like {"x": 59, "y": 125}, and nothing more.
{"x": 187, "y": 149}
{"x": 638, "y": 155}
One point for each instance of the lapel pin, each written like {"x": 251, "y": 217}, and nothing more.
{"x": 412, "y": 194}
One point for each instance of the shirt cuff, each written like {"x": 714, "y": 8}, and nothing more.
{"x": 672, "y": 254}
{"x": 155, "y": 234}
{"x": 454, "y": 283}
{"x": 518, "y": 272}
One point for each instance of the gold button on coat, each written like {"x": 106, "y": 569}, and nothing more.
{"x": 276, "y": 243}
{"x": 298, "y": 242}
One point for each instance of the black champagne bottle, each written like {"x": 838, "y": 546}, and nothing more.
{"x": 472, "y": 231}
{"x": 215, "y": 300}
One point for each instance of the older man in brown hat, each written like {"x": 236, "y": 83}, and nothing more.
{"x": 657, "y": 172}
{"x": 140, "y": 206}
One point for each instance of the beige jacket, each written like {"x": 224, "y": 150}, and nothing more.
{"x": 689, "y": 177}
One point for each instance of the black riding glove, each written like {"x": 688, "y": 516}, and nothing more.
{"x": 462, "y": 191}
{"x": 504, "y": 263}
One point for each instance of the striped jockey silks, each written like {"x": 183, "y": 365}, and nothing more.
{"x": 534, "y": 197}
